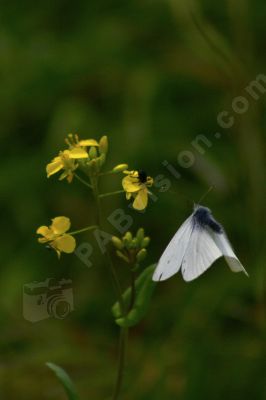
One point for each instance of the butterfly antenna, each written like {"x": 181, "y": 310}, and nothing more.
{"x": 205, "y": 194}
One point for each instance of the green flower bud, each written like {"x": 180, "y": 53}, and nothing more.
{"x": 101, "y": 160}
{"x": 141, "y": 255}
{"x": 134, "y": 243}
{"x": 93, "y": 152}
{"x": 117, "y": 243}
{"x": 145, "y": 242}
{"x": 103, "y": 145}
{"x": 122, "y": 255}
{"x": 120, "y": 168}
{"x": 93, "y": 166}
{"x": 140, "y": 235}
{"x": 127, "y": 239}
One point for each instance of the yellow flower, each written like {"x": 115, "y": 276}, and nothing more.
{"x": 66, "y": 160}
{"x": 96, "y": 151}
{"x": 136, "y": 184}
{"x": 74, "y": 142}
{"x": 56, "y": 237}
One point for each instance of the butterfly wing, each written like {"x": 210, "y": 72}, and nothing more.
{"x": 171, "y": 259}
{"x": 225, "y": 247}
{"x": 200, "y": 254}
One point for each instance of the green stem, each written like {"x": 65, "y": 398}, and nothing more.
{"x": 88, "y": 228}
{"x": 117, "y": 287}
{"x": 82, "y": 181}
{"x": 123, "y": 342}
{"x": 121, "y": 362}
{"x": 110, "y": 193}
{"x": 107, "y": 173}
{"x": 115, "y": 279}
{"x": 133, "y": 290}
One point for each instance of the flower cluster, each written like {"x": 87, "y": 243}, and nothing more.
{"x": 83, "y": 161}
{"x": 84, "y": 153}
{"x": 132, "y": 249}
{"x": 89, "y": 156}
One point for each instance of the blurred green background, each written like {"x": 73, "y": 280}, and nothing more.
{"x": 152, "y": 75}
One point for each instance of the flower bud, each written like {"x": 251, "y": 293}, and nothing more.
{"x": 145, "y": 242}
{"x": 103, "y": 145}
{"x": 122, "y": 255}
{"x": 92, "y": 153}
{"x": 93, "y": 166}
{"x": 140, "y": 235}
{"x": 120, "y": 168}
{"x": 128, "y": 239}
{"x": 134, "y": 243}
{"x": 101, "y": 160}
{"x": 117, "y": 242}
{"x": 141, "y": 255}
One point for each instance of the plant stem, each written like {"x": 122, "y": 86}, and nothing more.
{"x": 133, "y": 290}
{"x": 88, "y": 228}
{"x": 110, "y": 193}
{"x": 117, "y": 287}
{"x": 123, "y": 342}
{"x": 121, "y": 362}
{"x": 83, "y": 181}
{"x": 116, "y": 283}
{"x": 111, "y": 172}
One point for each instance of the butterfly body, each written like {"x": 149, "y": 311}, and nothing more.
{"x": 202, "y": 216}
{"x": 196, "y": 245}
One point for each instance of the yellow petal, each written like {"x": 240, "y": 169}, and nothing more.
{"x": 78, "y": 152}
{"x": 55, "y": 159}
{"x": 65, "y": 153}
{"x": 88, "y": 142}
{"x": 60, "y": 225}
{"x": 46, "y": 232}
{"x": 43, "y": 230}
{"x": 65, "y": 243}
{"x": 129, "y": 185}
{"x": 43, "y": 240}
{"x": 54, "y": 167}
{"x": 141, "y": 200}
{"x": 133, "y": 173}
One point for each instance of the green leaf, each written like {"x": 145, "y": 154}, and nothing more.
{"x": 65, "y": 380}
{"x": 144, "y": 290}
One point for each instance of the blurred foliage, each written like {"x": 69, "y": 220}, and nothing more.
{"x": 152, "y": 75}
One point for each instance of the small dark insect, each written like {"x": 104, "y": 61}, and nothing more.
{"x": 142, "y": 176}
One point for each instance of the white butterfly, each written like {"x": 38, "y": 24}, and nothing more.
{"x": 195, "y": 246}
